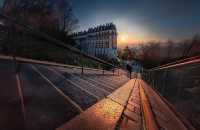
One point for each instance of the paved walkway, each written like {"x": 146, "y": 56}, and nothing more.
{"x": 134, "y": 106}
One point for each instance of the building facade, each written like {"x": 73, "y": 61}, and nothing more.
{"x": 100, "y": 41}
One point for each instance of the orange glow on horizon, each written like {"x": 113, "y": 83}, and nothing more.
{"x": 126, "y": 40}
{"x": 123, "y": 39}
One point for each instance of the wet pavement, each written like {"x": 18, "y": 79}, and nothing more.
{"x": 42, "y": 97}
{"x": 134, "y": 106}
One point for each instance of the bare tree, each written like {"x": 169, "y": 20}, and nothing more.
{"x": 69, "y": 20}
{"x": 193, "y": 48}
{"x": 127, "y": 54}
{"x": 43, "y": 14}
{"x": 150, "y": 53}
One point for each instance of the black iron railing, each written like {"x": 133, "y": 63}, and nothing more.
{"x": 179, "y": 82}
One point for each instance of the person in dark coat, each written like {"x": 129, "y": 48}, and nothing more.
{"x": 129, "y": 69}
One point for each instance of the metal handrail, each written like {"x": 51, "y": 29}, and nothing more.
{"x": 149, "y": 118}
{"x": 25, "y": 60}
{"x": 183, "y": 62}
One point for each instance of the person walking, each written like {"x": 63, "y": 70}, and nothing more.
{"x": 129, "y": 69}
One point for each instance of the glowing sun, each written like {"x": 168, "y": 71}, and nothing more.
{"x": 123, "y": 38}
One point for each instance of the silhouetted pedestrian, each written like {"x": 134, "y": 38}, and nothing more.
{"x": 129, "y": 69}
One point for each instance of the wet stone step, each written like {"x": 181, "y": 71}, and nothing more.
{"x": 45, "y": 108}
{"x": 79, "y": 96}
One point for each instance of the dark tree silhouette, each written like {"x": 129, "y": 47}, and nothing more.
{"x": 127, "y": 54}
{"x": 154, "y": 53}
{"x": 194, "y": 47}
{"x": 42, "y": 14}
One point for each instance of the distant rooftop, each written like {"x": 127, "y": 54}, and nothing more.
{"x": 104, "y": 27}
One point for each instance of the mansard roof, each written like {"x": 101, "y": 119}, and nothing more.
{"x": 104, "y": 27}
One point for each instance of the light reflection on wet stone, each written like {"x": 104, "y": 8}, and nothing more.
{"x": 102, "y": 116}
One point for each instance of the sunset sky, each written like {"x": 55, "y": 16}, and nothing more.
{"x": 142, "y": 20}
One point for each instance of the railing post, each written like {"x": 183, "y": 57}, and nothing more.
{"x": 82, "y": 72}
{"x": 165, "y": 76}
{"x": 118, "y": 72}
{"x": 17, "y": 68}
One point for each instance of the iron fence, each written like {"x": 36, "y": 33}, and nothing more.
{"x": 179, "y": 82}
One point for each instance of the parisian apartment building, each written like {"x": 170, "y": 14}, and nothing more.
{"x": 100, "y": 41}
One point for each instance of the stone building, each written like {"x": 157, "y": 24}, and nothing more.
{"x": 100, "y": 41}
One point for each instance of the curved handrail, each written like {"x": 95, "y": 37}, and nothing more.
{"x": 33, "y": 61}
{"x": 179, "y": 63}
